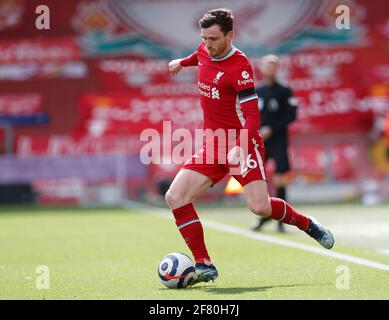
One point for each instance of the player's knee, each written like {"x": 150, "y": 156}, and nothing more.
{"x": 175, "y": 200}
{"x": 261, "y": 209}
{"x": 170, "y": 198}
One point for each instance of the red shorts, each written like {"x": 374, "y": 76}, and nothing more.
{"x": 252, "y": 167}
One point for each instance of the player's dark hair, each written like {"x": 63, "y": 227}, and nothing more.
{"x": 222, "y": 16}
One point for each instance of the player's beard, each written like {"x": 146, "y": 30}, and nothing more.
{"x": 214, "y": 52}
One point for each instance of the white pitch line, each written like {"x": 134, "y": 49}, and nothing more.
{"x": 296, "y": 245}
{"x": 273, "y": 240}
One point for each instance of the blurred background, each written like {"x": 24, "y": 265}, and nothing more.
{"x": 75, "y": 98}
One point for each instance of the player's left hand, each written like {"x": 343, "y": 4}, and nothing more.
{"x": 235, "y": 156}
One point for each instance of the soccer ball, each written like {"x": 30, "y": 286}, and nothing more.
{"x": 176, "y": 270}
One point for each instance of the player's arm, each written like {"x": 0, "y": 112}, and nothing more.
{"x": 248, "y": 101}
{"x": 176, "y": 65}
{"x": 190, "y": 61}
{"x": 288, "y": 112}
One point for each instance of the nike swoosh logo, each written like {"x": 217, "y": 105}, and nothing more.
{"x": 169, "y": 277}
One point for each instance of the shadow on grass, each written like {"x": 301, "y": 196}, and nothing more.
{"x": 238, "y": 290}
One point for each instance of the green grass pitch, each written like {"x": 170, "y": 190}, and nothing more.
{"x": 114, "y": 254}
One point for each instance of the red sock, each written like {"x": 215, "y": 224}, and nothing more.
{"x": 284, "y": 212}
{"x": 191, "y": 230}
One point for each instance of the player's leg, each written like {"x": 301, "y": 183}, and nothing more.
{"x": 278, "y": 152}
{"x": 258, "y": 200}
{"x": 261, "y": 204}
{"x": 261, "y": 221}
{"x": 186, "y": 187}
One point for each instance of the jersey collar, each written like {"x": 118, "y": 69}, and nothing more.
{"x": 226, "y": 56}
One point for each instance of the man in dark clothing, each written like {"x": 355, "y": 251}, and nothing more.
{"x": 278, "y": 109}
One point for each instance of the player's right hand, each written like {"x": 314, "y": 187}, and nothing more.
{"x": 235, "y": 156}
{"x": 174, "y": 66}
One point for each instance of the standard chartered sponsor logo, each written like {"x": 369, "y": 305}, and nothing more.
{"x": 175, "y": 146}
{"x": 206, "y": 91}
{"x": 204, "y": 86}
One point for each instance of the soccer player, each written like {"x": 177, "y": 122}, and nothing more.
{"x": 278, "y": 109}
{"x": 229, "y": 101}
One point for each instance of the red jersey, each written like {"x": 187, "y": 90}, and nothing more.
{"x": 226, "y": 87}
